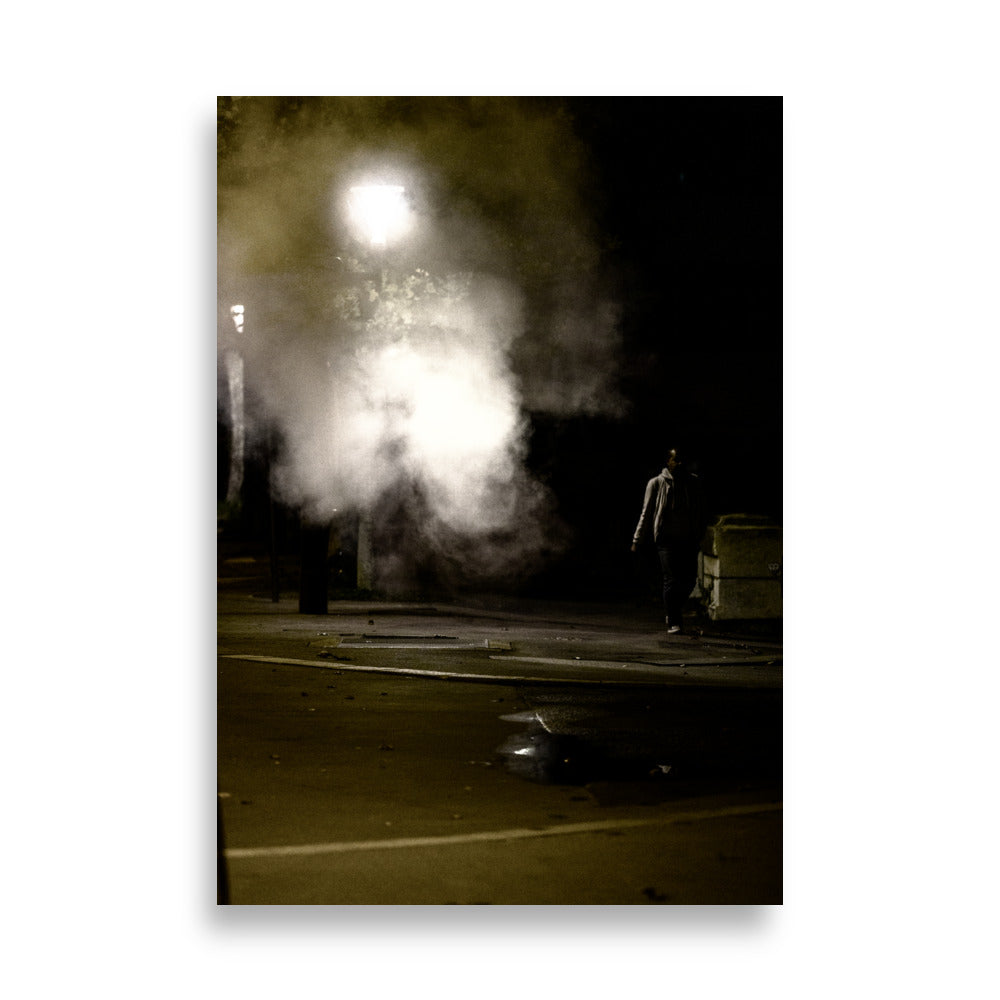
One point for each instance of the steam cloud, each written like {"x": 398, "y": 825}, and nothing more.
{"x": 399, "y": 381}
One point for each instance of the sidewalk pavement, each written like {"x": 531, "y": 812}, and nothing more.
{"x": 501, "y": 640}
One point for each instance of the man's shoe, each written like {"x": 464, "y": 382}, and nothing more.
{"x": 673, "y": 630}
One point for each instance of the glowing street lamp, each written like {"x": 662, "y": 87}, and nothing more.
{"x": 379, "y": 214}
{"x": 379, "y": 211}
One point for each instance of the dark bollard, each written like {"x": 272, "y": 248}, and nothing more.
{"x": 313, "y": 587}
{"x": 222, "y": 872}
{"x": 272, "y": 550}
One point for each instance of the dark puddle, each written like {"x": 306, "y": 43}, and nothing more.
{"x": 635, "y": 749}
{"x": 539, "y": 755}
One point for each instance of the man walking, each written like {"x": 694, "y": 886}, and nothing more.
{"x": 673, "y": 514}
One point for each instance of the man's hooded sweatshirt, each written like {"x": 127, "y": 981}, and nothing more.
{"x": 672, "y": 510}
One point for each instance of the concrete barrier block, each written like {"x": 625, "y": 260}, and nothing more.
{"x": 740, "y": 568}
{"x": 745, "y": 598}
{"x": 737, "y": 546}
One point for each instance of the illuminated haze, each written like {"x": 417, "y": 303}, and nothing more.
{"x": 397, "y": 379}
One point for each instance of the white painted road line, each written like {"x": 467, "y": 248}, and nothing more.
{"x": 493, "y": 836}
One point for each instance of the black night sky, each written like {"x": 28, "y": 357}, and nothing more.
{"x": 691, "y": 202}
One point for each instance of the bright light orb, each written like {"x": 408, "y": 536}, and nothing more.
{"x": 379, "y": 210}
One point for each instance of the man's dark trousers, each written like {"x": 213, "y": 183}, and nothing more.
{"x": 679, "y": 565}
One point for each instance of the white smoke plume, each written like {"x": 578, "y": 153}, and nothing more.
{"x": 399, "y": 379}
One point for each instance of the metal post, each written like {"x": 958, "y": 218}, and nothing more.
{"x": 315, "y": 569}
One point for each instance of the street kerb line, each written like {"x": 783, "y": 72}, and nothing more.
{"x": 361, "y": 668}
{"x": 493, "y": 836}
{"x": 455, "y": 675}
{"x": 577, "y": 661}
{"x": 458, "y": 675}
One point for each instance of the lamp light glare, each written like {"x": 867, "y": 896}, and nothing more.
{"x": 379, "y": 210}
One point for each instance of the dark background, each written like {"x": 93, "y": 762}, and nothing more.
{"x": 687, "y": 197}
{"x": 691, "y": 207}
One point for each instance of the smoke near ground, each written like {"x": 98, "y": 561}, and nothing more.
{"x": 398, "y": 379}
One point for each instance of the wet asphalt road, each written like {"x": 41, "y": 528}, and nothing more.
{"x": 459, "y": 757}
